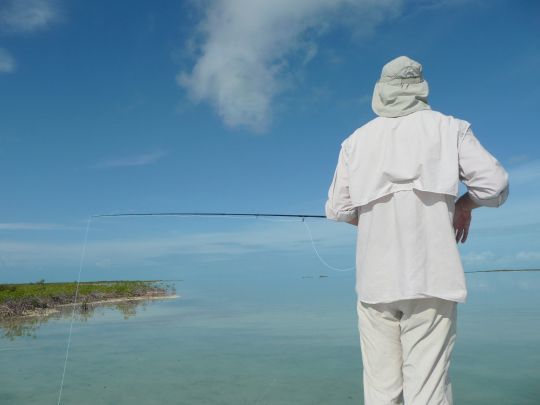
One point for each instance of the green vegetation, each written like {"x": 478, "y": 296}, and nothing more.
{"x": 24, "y": 299}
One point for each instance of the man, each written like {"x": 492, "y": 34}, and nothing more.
{"x": 396, "y": 179}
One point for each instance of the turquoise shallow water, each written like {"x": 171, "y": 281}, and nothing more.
{"x": 264, "y": 338}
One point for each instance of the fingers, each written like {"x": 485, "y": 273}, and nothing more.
{"x": 459, "y": 233}
{"x": 462, "y": 231}
{"x": 465, "y": 233}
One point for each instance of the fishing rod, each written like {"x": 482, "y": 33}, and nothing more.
{"x": 205, "y": 214}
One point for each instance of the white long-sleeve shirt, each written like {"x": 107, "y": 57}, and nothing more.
{"x": 398, "y": 178}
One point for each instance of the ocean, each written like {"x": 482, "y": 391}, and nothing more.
{"x": 262, "y": 339}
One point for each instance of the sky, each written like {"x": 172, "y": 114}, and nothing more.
{"x": 239, "y": 106}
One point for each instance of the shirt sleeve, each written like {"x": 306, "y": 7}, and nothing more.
{"x": 339, "y": 206}
{"x": 484, "y": 176}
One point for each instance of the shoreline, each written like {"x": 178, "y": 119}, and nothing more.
{"x": 44, "y": 299}
{"x": 39, "y": 312}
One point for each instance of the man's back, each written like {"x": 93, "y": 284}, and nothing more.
{"x": 402, "y": 176}
{"x": 419, "y": 150}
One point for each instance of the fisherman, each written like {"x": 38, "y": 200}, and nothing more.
{"x": 397, "y": 179}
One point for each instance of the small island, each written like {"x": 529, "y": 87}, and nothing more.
{"x": 41, "y": 298}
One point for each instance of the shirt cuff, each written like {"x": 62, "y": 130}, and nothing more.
{"x": 496, "y": 201}
{"x": 341, "y": 215}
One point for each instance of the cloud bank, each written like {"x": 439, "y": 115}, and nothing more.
{"x": 247, "y": 49}
{"x": 287, "y": 236}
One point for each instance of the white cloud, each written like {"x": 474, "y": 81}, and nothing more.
{"x": 526, "y": 173}
{"x": 248, "y": 48}
{"x": 7, "y": 62}
{"x": 478, "y": 257}
{"x": 528, "y": 255}
{"x": 482, "y": 259}
{"x": 25, "y": 16}
{"x": 32, "y": 226}
{"x": 520, "y": 158}
{"x": 128, "y": 161}
{"x": 427, "y": 5}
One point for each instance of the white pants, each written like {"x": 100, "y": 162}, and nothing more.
{"x": 406, "y": 347}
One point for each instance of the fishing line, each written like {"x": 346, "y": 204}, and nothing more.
{"x": 319, "y": 256}
{"x": 323, "y": 262}
{"x": 83, "y": 252}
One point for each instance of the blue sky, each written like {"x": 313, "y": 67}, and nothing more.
{"x": 240, "y": 106}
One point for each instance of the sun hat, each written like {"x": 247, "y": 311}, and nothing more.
{"x": 401, "y": 90}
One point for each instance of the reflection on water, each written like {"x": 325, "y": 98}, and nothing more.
{"x": 260, "y": 338}
{"x": 28, "y": 325}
